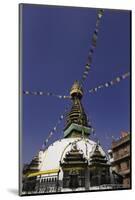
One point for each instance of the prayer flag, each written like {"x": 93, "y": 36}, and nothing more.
{"x": 54, "y": 128}
{"x": 86, "y": 72}
{"x": 100, "y": 13}
{"x": 118, "y": 79}
{"x": 26, "y": 92}
{"x": 87, "y": 66}
{"x": 41, "y": 93}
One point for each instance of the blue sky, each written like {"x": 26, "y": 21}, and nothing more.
{"x": 56, "y": 41}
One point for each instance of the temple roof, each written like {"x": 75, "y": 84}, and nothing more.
{"x": 97, "y": 156}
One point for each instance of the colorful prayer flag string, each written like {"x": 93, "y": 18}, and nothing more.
{"x": 54, "y": 129}
{"x": 93, "y": 45}
{"x": 110, "y": 83}
{"x": 41, "y": 93}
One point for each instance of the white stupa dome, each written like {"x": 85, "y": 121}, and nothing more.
{"x": 50, "y": 158}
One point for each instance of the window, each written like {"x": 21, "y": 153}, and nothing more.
{"x": 119, "y": 167}
{"x": 116, "y": 154}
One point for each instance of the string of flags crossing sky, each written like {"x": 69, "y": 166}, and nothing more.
{"x": 41, "y": 93}
{"x": 87, "y": 66}
{"x": 107, "y": 84}
{"x": 54, "y": 129}
{"x": 110, "y": 83}
{"x": 93, "y": 45}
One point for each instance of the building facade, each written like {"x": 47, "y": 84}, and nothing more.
{"x": 120, "y": 160}
{"x": 74, "y": 163}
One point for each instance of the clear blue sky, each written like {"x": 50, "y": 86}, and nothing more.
{"x": 56, "y": 41}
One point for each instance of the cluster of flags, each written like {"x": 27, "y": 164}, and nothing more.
{"x": 55, "y": 128}
{"x": 110, "y": 138}
{"x": 93, "y": 44}
{"x": 114, "y": 138}
{"x": 41, "y": 93}
{"x": 110, "y": 83}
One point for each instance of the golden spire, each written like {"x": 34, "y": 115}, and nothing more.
{"x": 76, "y": 90}
{"x": 76, "y": 116}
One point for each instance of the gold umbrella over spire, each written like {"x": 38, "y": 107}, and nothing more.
{"x": 76, "y": 90}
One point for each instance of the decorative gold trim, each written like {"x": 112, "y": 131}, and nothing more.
{"x": 43, "y": 172}
{"x": 74, "y": 168}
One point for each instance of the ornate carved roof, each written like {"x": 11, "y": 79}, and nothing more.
{"x": 97, "y": 157}
{"x": 74, "y": 156}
